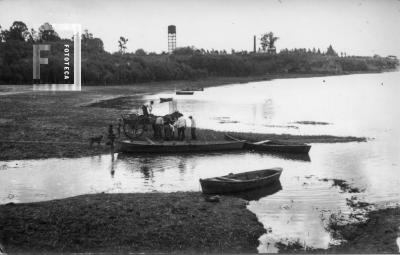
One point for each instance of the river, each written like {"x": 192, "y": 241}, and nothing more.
{"x": 359, "y": 105}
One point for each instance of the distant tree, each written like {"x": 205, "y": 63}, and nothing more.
{"x": 267, "y": 42}
{"x": 140, "y": 52}
{"x": 330, "y": 51}
{"x": 47, "y": 33}
{"x": 1, "y": 34}
{"x": 33, "y": 36}
{"x": 184, "y": 51}
{"x": 18, "y": 32}
{"x": 90, "y": 43}
{"x": 122, "y": 44}
{"x": 86, "y": 35}
{"x": 319, "y": 51}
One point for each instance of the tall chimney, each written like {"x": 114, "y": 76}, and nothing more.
{"x": 254, "y": 46}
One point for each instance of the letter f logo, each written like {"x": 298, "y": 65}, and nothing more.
{"x": 37, "y": 60}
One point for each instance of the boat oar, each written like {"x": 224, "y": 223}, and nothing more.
{"x": 262, "y": 142}
{"x": 149, "y": 141}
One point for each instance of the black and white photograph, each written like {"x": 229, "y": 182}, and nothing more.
{"x": 199, "y": 126}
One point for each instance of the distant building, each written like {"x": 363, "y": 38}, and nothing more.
{"x": 171, "y": 38}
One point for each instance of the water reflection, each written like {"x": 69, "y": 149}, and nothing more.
{"x": 292, "y": 211}
{"x": 256, "y": 194}
{"x": 112, "y": 170}
{"x": 288, "y": 156}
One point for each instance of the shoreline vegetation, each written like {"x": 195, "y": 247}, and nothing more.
{"x": 100, "y": 67}
{"x": 173, "y": 222}
{"x": 376, "y": 234}
{"x": 136, "y": 222}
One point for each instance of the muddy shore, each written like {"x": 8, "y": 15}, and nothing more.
{"x": 376, "y": 235}
{"x": 37, "y": 124}
{"x": 151, "y": 222}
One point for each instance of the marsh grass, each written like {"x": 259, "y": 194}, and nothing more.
{"x": 139, "y": 222}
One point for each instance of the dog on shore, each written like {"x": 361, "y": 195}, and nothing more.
{"x": 95, "y": 139}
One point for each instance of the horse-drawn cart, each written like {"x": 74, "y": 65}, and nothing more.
{"x": 135, "y": 125}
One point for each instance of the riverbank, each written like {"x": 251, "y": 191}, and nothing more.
{"x": 151, "y": 222}
{"x": 377, "y": 234}
{"x": 41, "y": 124}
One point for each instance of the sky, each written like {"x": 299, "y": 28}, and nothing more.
{"x": 357, "y": 27}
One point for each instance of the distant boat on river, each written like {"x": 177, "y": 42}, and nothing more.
{"x": 165, "y": 99}
{"x": 182, "y": 92}
{"x": 131, "y": 146}
{"x": 193, "y": 89}
{"x": 274, "y": 146}
{"x": 232, "y": 183}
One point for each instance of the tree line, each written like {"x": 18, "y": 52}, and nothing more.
{"x": 100, "y": 67}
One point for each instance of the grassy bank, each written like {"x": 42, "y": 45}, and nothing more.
{"x": 45, "y": 124}
{"x": 378, "y": 234}
{"x": 152, "y": 222}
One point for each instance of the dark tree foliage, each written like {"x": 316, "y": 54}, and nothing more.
{"x": 17, "y": 32}
{"x": 140, "y": 52}
{"x": 330, "y": 51}
{"x": 47, "y": 33}
{"x": 184, "y": 51}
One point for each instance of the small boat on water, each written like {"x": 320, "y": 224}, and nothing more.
{"x": 182, "y": 92}
{"x": 193, "y": 89}
{"x": 274, "y": 146}
{"x": 130, "y": 146}
{"x": 233, "y": 183}
{"x": 165, "y": 99}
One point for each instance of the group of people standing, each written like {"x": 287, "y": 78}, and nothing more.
{"x": 169, "y": 126}
{"x": 165, "y": 128}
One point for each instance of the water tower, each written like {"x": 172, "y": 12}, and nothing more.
{"x": 171, "y": 38}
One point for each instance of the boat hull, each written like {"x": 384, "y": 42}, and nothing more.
{"x": 279, "y": 148}
{"x": 166, "y": 99}
{"x": 217, "y": 186}
{"x": 175, "y": 147}
{"x": 193, "y": 89}
{"x": 184, "y": 92}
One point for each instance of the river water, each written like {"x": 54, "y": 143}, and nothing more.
{"x": 359, "y": 105}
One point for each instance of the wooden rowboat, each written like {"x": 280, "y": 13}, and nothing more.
{"x": 274, "y": 146}
{"x": 165, "y": 99}
{"x": 233, "y": 183}
{"x": 184, "y": 92}
{"x": 178, "y": 146}
{"x": 193, "y": 89}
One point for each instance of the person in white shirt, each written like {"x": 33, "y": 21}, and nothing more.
{"x": 158, "y": 127}
{"x": 181, "y": 124}
{"x": 150, "y": 107}
{"x": 193, "y": 127}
